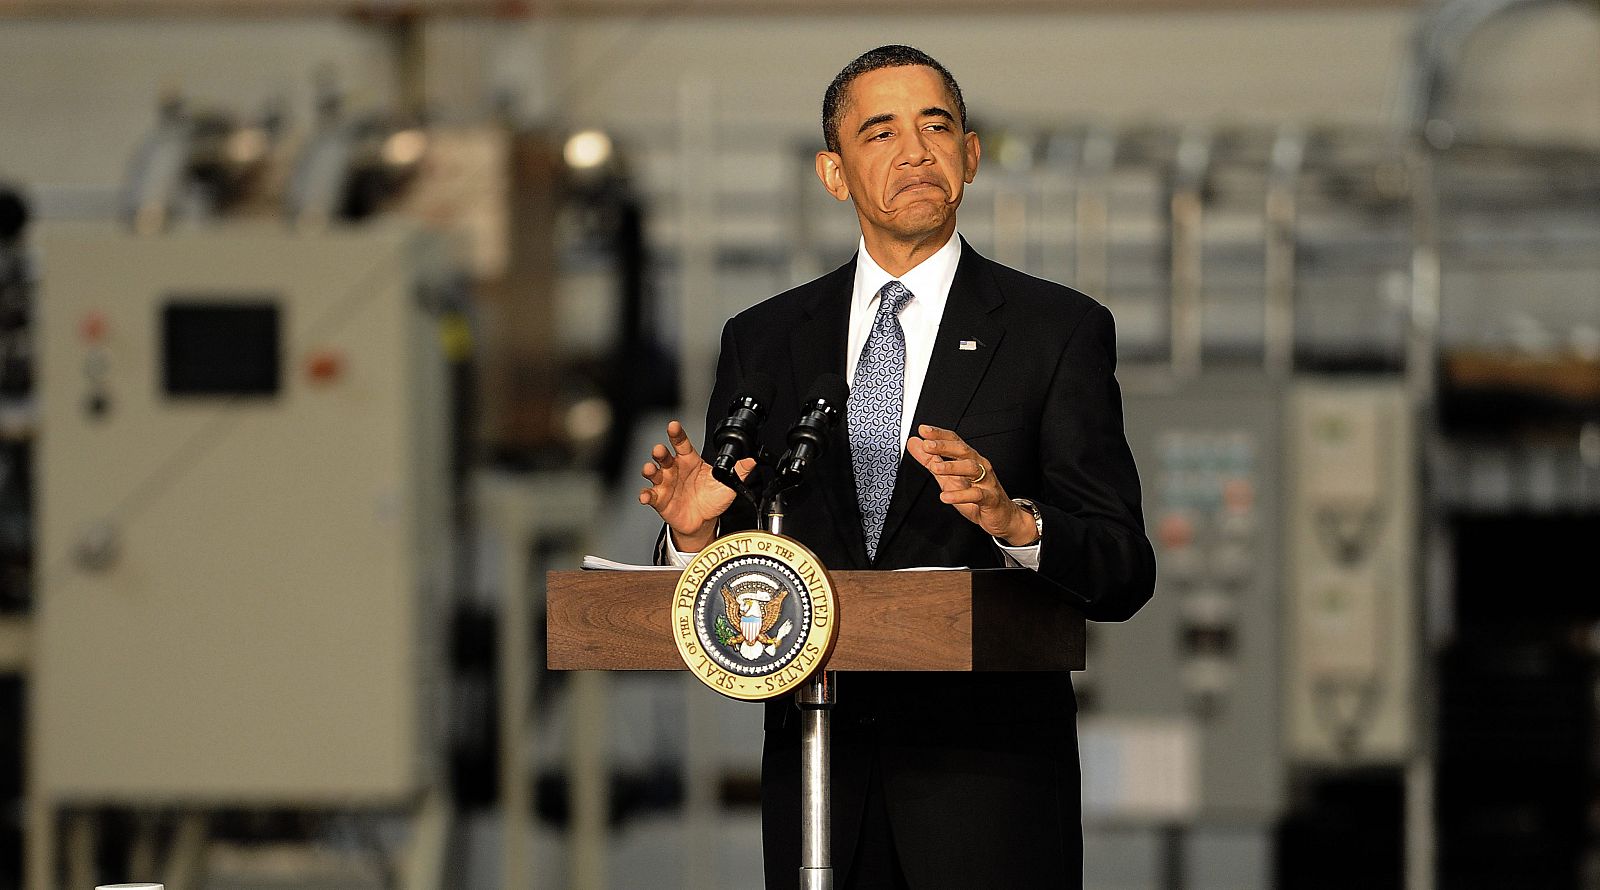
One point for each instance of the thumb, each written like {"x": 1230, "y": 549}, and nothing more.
{"x": 744, "y": 467}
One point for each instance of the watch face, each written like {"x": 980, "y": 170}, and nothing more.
{"x": 1032, "y": 508}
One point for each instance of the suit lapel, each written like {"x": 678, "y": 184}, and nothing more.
{"x": 817, "y": 346}
{"x": 953, "y": 376}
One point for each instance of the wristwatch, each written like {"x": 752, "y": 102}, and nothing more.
{"x": 1038, "y": 519}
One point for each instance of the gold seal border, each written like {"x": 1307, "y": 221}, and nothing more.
{"x": 824, "y": 614}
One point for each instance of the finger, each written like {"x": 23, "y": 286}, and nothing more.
{"x": 744, "y": 467}
{"x": 918, "y": 449}
{"x": 934, "y": 464}
{"x": 946, "y": 445}
{"x": 646, "y": 495}
{"x": 968, "y": 495}
{"x": 679, "y": 438}
{"x": 967, "y": 468}
{"x": 949, "y": 449}
{"x": 649, "y": 471}
{"x": 662, "y": 455}
{"x": 929, "y": 431}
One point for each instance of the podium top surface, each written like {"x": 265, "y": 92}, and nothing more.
{"x": 958, "y": 620}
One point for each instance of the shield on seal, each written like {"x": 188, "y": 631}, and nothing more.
{"x": 750, "y": 620}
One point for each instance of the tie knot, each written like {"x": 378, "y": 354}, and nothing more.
{"x": 893, "y": 297}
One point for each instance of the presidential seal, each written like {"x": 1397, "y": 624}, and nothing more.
{"x": 753, "y": 615}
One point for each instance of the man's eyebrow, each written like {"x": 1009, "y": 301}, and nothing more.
{"x": 930, "y": 111}
{"x": 873, "y": 121}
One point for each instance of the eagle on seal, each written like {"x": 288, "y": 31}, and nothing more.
{"x": 753, "y": 605}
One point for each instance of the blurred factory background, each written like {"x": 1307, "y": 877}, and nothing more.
{"x": 328, "y": 326}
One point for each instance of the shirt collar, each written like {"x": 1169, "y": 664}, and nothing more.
{"x": 929, "y": 281}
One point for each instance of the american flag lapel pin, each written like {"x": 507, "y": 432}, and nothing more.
{"x": 968, "y": 345}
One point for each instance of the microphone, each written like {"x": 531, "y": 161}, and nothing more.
{"x": 809, "y": 435}
{"x": 735, "y": 436}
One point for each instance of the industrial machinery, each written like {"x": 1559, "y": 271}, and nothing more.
{"x": 256, "y": 337}
{"x": 1508, "y": 268}
{"x": 351, "y": 166}
{"x": 1180, "y": 757}
{"x": 197, "y": 164}
{"x": 1351, "y": 630}
{"x": 244, "y": 544}
{"x": 1179, "y": 705}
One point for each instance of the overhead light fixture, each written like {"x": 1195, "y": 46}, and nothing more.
{"x": 587, "y": 149}
{"x": 404, "y": 147}
{"x": 246, "y": 145}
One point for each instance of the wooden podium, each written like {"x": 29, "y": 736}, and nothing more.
{"x": 955, "y": 620}
{"x": 942, "y": 620}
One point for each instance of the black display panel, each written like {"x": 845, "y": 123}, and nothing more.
{"x": 217, "y": 348}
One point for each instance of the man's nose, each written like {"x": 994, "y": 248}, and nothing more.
{"x": 914, "y": 150}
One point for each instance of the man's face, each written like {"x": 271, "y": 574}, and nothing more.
{"x": 902, "y": 156}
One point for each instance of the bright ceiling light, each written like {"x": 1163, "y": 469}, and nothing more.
{"x": 587, "y": 149}
{"x": 404, "y": 148}
{"x": 246, "y": 145}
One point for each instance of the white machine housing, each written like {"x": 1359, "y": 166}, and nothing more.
{"x": 1351, "y": 611}
{"x": 242, "y": 589}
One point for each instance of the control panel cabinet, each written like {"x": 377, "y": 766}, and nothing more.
{"x": 243, "y": 505}
{"x": 1201, "y": 659}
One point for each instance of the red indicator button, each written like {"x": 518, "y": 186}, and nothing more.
{"x": 325, "y": 366}
{"x": 1176, "y": 531}
{"x": 1239, "y": 495}
{"x": 92, "y": 327}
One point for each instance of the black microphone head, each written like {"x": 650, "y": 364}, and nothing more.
{"x": 809, "y": 436}
{"x": 829, "y": 388}
{"x": 736, "y": 437}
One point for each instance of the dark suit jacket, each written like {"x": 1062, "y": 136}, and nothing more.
{"x": 979, "y": 771}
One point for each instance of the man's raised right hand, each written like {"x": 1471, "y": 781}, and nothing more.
{"x": 684, "y": 492}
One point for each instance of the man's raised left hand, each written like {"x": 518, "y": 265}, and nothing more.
{"x": 968, "y": 483}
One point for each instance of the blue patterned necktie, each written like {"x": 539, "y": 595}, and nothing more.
{"x": 873, "y": 412}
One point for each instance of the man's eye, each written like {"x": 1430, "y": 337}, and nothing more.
{"x": 883, "y": 135}
{"x": 940, "y": 127}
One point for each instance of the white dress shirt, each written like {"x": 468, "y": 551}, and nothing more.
{"x": 929, "y": 282}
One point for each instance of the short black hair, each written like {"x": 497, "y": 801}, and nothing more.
{"x": 892, "y": 56}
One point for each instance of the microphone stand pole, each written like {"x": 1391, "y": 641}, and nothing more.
{"x": 816, "y": 699}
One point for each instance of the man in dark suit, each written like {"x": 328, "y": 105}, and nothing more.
{"x": 964, "y": 374}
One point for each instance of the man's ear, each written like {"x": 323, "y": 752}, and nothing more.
{"x": 830, "y": 169}
{"x": 974, "y": 152}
